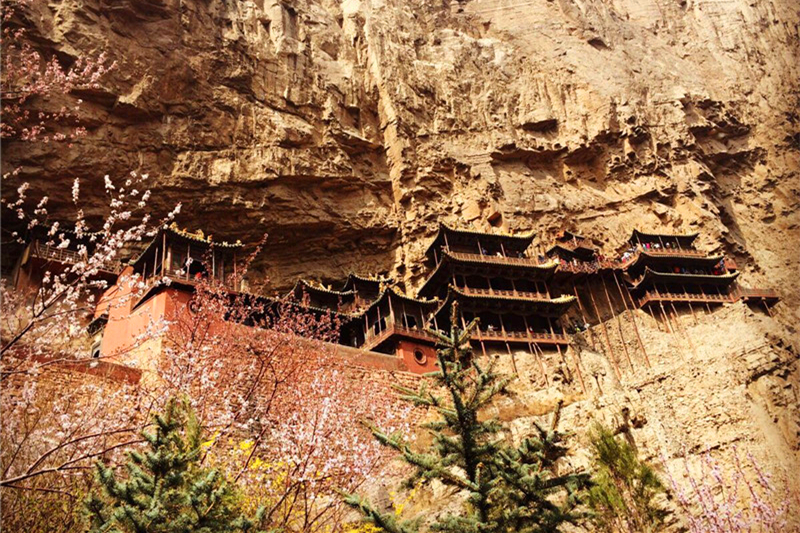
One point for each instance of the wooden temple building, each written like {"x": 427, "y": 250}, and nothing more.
{"x": 319, "y": 297}
{"x": 44, "y": 253}
{"x": 494, "y": 279}
{"x": 572, "y": 249}
{"x": 524, "y": 301}
{"x": 666, "y": 268}
{"x": 396, "y": 323}
{"x": 169, "y": 267}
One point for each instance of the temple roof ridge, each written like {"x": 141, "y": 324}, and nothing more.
{"x": 636, "y": 231}
{"x": 367, "y": 278}
{"x": 525, "y": 235}
{"x": 649, "y": 272}
{"x": 320, "y": 287}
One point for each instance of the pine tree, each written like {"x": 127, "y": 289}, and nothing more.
{"x": 167, "y": 490}
{"x": 508, "y": 489}
{"x": 625, "y": 491}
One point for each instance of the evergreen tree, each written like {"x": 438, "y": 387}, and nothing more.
{"x": 508, "y": 489}
{"x": 167, "y": 490}
{"x": 625, "y": 491}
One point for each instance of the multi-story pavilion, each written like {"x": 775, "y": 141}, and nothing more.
{"x": 665, "y": 268}
{"x": 493, "y": 278}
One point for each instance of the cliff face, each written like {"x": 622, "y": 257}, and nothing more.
{"x": 347, "y": 130}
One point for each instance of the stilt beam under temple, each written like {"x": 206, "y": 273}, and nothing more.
{"x": 658, "y": 322}
{"x": 533, "y": 347}
{"x": 683, "y": 331}
{"x": 633, "y": 317}
{"x": 619, "y": 323}
{"x": 690, "y": 306}
{"x": 583, "y": 314}
{"x": 508, "y": 347}
{"x": 605, "y": 331}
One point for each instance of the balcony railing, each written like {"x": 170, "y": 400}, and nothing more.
{"x": 524, "y": 261}
{"x": 520, "y": 336}
{"x": 767, "y": 294}
{"x": 652, "y": 296}
{"x": 70, "y": 257}
{"x": 677, "y": 252}
{"x": 580, "y": 267}
{"x": 470, "y": 291}
{"x": 392, "y": 328}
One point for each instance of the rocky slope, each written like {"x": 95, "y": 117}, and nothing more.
{"x": 347, "y": 130}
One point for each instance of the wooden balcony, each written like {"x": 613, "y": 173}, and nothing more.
{"x": 755, "y": 295}
{"x": 68, "y": 257}
{"x": 652, "y": 296}
{"x": 674, "y": 252}
{"x": 373, "y": 340}
{"x": 496, "y": 259}
{"x": 581, "y": 267}
{"x": 517, "y": 337}
{"x": 503, "y": 293}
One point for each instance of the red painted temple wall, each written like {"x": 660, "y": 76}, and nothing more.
{"x": 405, "y": 351}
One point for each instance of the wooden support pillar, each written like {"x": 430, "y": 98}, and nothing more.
{"x": 583, "y": 315}
{"x": 633, "y": 317}
{"x": 563, "y": 359}
{"x": 619, "y": 322}
{"x": 513, "y": 359}
{"x": 766, "y": 306}
{"x": 508, "y": 346}
{"x": 683, "y": 331}
{"x": 658, "y": 322}
{"x": 605, "y": 331}
{"x": 392, "y": 318}
{"x": 578, "y": 371}
{"x": 690, "y": 304}
{"x": 666, "y": 318}
{"x": 541, "y": 361}
{"x": 532, "y": 349}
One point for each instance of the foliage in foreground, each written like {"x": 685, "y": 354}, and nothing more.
{"x": 624, "y": 497}
{"x": 167, "y": 489}
{"x": 507, "y": 488}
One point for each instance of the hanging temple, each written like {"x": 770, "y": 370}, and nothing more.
{"x": 524, "y": 300}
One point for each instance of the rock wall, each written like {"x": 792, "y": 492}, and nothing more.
{"x": 348, "y": 130}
